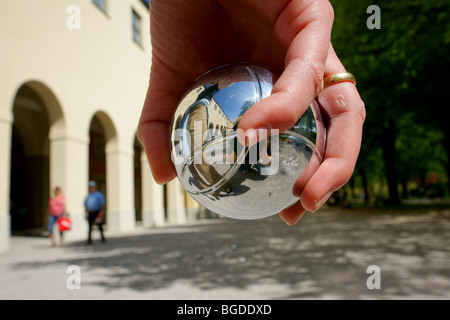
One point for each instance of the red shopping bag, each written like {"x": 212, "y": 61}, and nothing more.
{"x": 64, "y": 224}
{"x": 99, "y": 217}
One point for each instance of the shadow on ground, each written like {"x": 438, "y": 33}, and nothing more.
{"x": 325, "y": 255}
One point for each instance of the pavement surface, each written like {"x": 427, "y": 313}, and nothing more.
{"x": 332, "y": 254}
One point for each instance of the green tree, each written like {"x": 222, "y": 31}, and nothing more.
{"x": 247, "y": 105}
{"x": 421, "y": 150}
{"x": 392, "y": 65}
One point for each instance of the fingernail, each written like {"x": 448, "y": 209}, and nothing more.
{"x": 322, "y": 201}
{"x": 293, "y": 223}
{"x": 292, "y": 218}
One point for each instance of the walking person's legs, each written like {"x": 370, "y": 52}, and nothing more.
{"x": 61, "y": 238}
{"x": 100, "y": 227}
{"x": 91, "y": 218}
{"x": 51, "y": 226}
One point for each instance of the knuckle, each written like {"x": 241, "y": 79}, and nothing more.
{"x": 361, "y": 110}
{"x": 315, "y": 71}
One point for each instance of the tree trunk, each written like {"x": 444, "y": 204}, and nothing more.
{"x": 446, "y": 145}
{"x": 388, "y": 138}
{"x": 365, "y": 186}
{"x": 404, "y": 183}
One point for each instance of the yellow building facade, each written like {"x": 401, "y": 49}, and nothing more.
{"x": 73, "y": 78}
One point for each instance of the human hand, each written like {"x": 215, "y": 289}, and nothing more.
{"x": 345, "y": 114}
{"x": 192, "y": 37}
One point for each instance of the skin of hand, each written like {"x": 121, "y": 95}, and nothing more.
{"x": 191, "y": 37}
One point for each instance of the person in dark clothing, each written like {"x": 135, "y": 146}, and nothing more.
{"x": 94, "y": 205}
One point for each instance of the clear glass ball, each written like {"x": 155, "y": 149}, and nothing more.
{"x": 223, "y": 175}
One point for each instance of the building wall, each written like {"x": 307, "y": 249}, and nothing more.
{"x": 96, "y": 71}
{"x": 218, "y": 119}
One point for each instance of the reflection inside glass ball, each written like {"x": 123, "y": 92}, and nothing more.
{"x": 217, "y": 170}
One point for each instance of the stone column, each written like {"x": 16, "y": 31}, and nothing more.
{"x": 192, "y": 208}
{"x": 152, "y": 197}
{"x": 5, "y": 173}
{"x": 120, "y": 189}
{"x": 69, "y": 169}
{"x": 176, "y": 212}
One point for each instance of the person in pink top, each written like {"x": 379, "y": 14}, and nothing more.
{"x": 56, "y": 209}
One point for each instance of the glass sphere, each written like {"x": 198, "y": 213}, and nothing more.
{"x": 223, "y": 175}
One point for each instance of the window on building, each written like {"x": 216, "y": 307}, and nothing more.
{"x": 137, "y": 33}
{"x": 101, "y": 4}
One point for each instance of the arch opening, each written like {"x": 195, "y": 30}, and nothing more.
{"x": 36, "y": 113}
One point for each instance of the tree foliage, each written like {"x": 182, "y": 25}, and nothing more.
{"x": 400, "y": 75}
